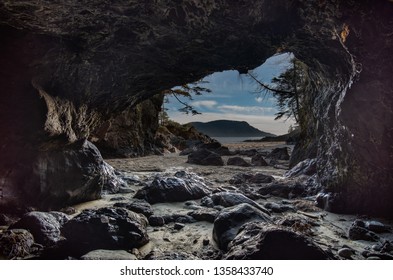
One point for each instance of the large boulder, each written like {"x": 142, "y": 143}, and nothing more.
{"x": 261, "y": 241}
{"x": 105, "y": 228}
{"x": 229, "y": 221}
{"x": 205, "y": 157}
{"x": 72, "y": 174}
{"x": 181, "y": 187}
{"x": 45, "y": 226}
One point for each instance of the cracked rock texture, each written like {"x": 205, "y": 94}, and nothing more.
{"x": 72, "y": 70}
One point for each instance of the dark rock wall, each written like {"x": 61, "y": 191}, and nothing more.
{"x": 78, "y": 69}
{"x": 131, "y": 133}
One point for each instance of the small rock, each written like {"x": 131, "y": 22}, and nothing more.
{"x": 204, "y": 214}
{"x": 279, "y": 154}
{"x": 108, "y": 255}
{"x": 258, "y": 160}
{"x": 237, "y": 161}
{"x": 157, "y": 255}
{"x": 205, "y": 242}
{"x": 4, "y": 220}
{"x": 373, "y": 258}
{"x": 358, "y": 232}
{"x": 257, "y": 178}
{"x": 156, "y": 221}
{"x": 345, "y": 253}
{"x": 137, "y": 206}
{"x": 178, "y": 226}
{"x": 205, "y": 157}
{"x": 68, "y": 210}
{"x": 179, "y": 218}
{"x": 117, "y": 198}
{"x": 376, "y": 227}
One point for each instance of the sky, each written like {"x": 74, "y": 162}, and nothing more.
{"x": 236, "y": 97}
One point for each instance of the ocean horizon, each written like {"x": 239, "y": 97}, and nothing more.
{"x": 231, "y": 140}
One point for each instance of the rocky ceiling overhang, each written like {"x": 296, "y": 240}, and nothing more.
{"x": 90, "y": 60}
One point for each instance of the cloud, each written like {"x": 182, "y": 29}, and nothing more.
{"x": 259, "y": 99}
{"x": 264, "y": 123}
{"x": 204, "y": 103}
{"x": 246, "y": 109}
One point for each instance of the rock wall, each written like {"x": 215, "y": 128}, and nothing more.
{"x": 77, "y": 69}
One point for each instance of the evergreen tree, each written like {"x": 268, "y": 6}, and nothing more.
{"x": 287, "y": 88}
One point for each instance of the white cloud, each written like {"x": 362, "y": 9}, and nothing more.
{"x": 259, "y": 99}
{"x": 204, "y": 103}
{"x": 246, "y": 109}
{"x": 264, "y": 123}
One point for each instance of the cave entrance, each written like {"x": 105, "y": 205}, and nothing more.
{"x": 231, "y": 96}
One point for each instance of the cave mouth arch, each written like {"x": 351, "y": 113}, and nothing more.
{"x": 233, "y": 96}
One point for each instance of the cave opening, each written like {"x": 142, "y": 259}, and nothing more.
{"x": 230, "y": 95}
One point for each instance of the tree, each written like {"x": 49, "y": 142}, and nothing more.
{"x": 187, "y": 91}
{"x": 287, "y": 88}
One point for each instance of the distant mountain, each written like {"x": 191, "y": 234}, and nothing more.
{"x": 225, "y": 128}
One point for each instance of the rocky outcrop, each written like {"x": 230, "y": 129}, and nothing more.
{"x": 68, "y": 69}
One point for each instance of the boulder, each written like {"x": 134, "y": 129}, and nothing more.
{"x": 108, "y": 255}
{"x": 261, "y": 241}
{"x": 237, "y": 161}
{"x": 215, "y": 147}
{"x": 228, "y": 199}
{"x": 181, "y": 187}
{"x": 73, "y": 174}
{"x": 258, "y": 160}
{"x": 358, "y": 231}
{"x": 16, "y": 243}
{"x": 137, "y": 206}
{"x": 44, "y": 226}
{"x": 205, "y": 157}
{"x": 229, "y": 221}
{"x": 279, "y": 154}
{"x": 156, "y": 221}
{"x": 105, "y": 228}
{"x": 257, "y": 178}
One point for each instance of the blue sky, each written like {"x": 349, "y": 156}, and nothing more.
{"x": 235, "y": 97}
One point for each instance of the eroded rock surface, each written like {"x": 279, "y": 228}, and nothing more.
{"x": 181, "y": 187}
{"x": 105, "y": 228}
